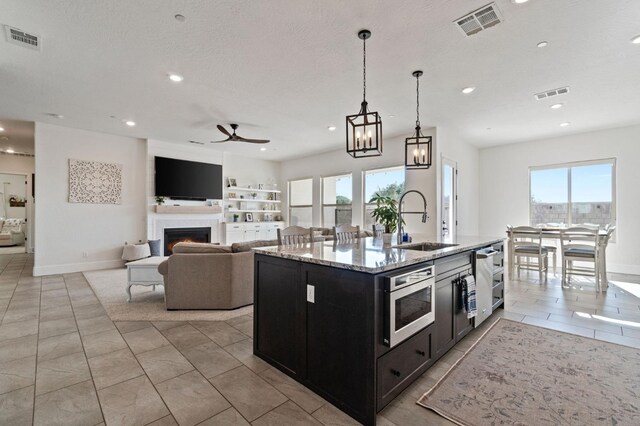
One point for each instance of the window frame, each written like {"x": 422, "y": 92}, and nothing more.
{"x": 323, "y": 205}
{"x": 366, "y": 202}
{"x": 569, "y": 166}
{"x": 290, "y": 205}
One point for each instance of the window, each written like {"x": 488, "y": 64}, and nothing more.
{"x": 300, "y": 202}
{"x": 573, "y": 193}
{"x": 337, "y": 194}
{"x": 387, "y": 181}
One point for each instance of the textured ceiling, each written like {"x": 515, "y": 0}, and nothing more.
{"x": 285, "y": 70}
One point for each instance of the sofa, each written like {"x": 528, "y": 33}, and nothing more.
{"x": 209, "y": 276}
{"x": 12, "y": 232}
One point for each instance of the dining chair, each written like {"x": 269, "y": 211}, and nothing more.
{"x": 378, "y": 230}
{"x": 550, "y": 247}
{"x": 580, "y": 244}
{"x": 526, "y": 243}
{"x": 293, "y": 235}
{"x": 602, "y": 247}
{"x": 346, "y": 233}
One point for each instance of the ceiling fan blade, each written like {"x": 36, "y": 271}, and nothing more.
{"x": 223, "y": 130}
{"x": 226, "y": 140}
{"x": 241, "y": 139}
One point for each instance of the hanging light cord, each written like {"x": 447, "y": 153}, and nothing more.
{"x": 417, "y": 101}
{"x": 364, "y": 70}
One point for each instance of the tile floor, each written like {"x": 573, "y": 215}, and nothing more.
{"x": 63, "y": 361}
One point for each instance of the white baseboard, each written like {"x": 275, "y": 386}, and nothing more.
{"x": 623, "y": 269}
{"x": 76, "y": 267}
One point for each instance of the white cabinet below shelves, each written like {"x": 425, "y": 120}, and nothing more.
{"x": 238, "y": 232}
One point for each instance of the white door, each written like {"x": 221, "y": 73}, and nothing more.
{"x": 449, "y": 199}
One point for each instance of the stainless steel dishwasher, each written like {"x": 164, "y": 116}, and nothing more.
{"x": 484, "y": 283}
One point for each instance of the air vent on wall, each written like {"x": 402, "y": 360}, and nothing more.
{"x": 22, "y": 38}
{"x": 478, "y": 20}
{"x": 550, "y": 93}
{"x": 19, "y": 154}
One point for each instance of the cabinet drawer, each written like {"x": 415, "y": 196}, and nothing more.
{"x": 399, "y": 367}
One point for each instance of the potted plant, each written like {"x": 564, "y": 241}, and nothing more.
{"x": 160, "y": 199}
{"x": 254, "y": 195}
{"x": 386, "y": 214}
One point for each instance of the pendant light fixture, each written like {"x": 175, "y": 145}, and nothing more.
{"x": 417, "y": 148}
{"x": 364, "y": 129}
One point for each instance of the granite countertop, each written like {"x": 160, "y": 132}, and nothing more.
{"x": 370, "y": 255}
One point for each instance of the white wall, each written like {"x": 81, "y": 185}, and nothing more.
{"x": 77, "y": 237}
{"x": 504, "y": 184}
{"x": 14, "y": 164}
{"x": 335, "y": 163}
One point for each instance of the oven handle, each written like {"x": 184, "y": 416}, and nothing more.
{"x": 413, "y": 287}
{"x": 428, "y": 271}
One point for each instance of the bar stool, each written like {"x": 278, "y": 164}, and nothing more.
{"x": 346, "y": 233}
{"x": 294, "y": 235}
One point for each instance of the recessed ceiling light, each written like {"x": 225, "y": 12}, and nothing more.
{"x": 10, "y": 150}
{"x": 556, "y": 106}
{"x": 543, "y": 44}
{"x": 179, "y": 17}
{"x": 468, "y": 90}
{"x": 520, "y": 1}
{"x": 130, "y": 123}
{"x": 565, "y": 124}
{"x": 636, "y": 40}
{"x": 263, "y": 149}
{"x": 1, "y": 129}
{"x": 332, "y": 128}
{"x": 176, "y": 78}
{"x": 392, "y": 116}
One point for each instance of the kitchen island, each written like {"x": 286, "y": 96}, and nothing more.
{"x": 327, "y": 314}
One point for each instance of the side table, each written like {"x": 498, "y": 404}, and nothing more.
{"x": 144, "y": 272}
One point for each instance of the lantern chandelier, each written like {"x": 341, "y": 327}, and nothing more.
{"x": 364, "y": 129}
{"x": 417, "y": 148}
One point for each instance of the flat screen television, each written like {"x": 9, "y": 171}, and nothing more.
{"x": 183, "y": 179}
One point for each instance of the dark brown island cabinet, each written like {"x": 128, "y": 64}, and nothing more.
{"x": 332, "y": 341}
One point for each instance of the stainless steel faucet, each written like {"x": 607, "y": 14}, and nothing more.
{"x": 424, "y": 213}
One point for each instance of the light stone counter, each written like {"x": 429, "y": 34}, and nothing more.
{"x": 371, "y": 256}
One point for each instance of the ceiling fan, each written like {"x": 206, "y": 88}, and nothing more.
{"x": 235, "y": 138}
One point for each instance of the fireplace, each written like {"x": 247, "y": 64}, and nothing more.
{"x": 173, "y": 236}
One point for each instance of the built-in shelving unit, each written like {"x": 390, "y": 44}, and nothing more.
{"x": 266, "y": 202}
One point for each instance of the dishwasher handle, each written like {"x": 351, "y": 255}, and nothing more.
{"x": 485, "y": 254}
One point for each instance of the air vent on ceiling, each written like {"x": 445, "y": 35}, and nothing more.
{"x": 22, "y": 38}
{"x": 550, "y": 93}
{"x": 478, "y": 20}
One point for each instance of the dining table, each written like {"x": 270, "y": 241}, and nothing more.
{"x": 552, "y": 232}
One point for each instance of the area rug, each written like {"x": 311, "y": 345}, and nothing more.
{"x": 519, "y": 374}
{"x": 146, "y": 304}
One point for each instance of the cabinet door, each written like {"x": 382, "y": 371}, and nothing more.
{"x": 340, "y": 342}
{"x": 279, "y": 326}
{"x": 234, "y": 234}
{"x": 444, "y": 335}
{"x": 250, "y": 235}
{"x": 462, "y": 323}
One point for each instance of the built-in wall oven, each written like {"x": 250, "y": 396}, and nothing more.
{"x": 408, "y": 304}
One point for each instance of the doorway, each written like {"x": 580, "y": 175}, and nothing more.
{"x": 449, "y": 199}
{"x": 13, "y": 213}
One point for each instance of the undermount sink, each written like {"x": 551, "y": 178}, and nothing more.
{"x": 426, "y": 246}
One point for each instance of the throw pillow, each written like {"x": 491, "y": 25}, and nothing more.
{"x": 133, "y": 252}
{"x": 154, "y": 246}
